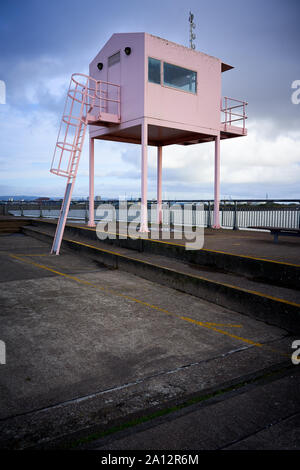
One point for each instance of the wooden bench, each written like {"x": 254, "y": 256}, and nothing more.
{"x": 276, "y": 231}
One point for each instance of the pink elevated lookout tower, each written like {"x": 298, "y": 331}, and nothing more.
{"x": 145, "y": 90}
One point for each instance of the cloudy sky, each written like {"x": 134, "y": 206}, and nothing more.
{"x": 42, "y": 42}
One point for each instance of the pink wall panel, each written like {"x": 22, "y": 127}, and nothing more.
{"x": 132, "y": 73}
{"x": 168, "y": 104}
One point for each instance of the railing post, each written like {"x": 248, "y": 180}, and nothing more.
{"x": 116, "y": 213}
{"x": 221, "y": 109}
{"x": 223, "y": 214}
{"x": 235, "y": 222}
{"x": 208, "y": 216}
{"x": 86, "y": 217}
{"x": 41, "y": 211}
{"x": 194, "y": 222}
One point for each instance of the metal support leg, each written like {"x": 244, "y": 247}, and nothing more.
{"x": 217, "y": 184}
{"x": 144, "y": 210}
{"x": 91, "y": 222}
{"x": 159, "y": 185}
{"x": 62, "y": 218}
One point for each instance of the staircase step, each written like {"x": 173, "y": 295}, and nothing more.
{"x": 266, "y": 271}
{"x": 278, "y": 306}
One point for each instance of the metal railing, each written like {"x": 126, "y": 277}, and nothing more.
{"x": 234, "y": 214}
{"x": 234, "y": 111}
{"x": 86, "y": 99}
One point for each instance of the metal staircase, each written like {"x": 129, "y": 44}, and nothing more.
{"x": 87, "y": 102}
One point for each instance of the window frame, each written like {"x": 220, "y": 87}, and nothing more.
{"x": 177, "y": 88}
{"x": 160, "y": 70}
{"x": 162, "y": 62}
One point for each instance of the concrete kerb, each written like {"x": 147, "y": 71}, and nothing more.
{"x": 283, "y": 314}
{"x": 278, "y": 273}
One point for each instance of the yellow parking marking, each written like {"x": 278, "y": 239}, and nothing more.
{"x": 207, "y": 325}
{"x": 228, "y": 325}
{"x": 245, "y": 340}
{"x": 40, "y": 254}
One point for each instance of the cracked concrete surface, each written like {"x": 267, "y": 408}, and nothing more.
{"x": 94, "y": 346}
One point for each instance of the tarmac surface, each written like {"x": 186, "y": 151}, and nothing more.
{"x": 90, "y": 348}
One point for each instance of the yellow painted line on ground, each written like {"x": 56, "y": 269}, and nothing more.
{"x": 245, "y": 340}
{"x": 228, "y": 325}
{"x": 208, "y": 325}
{"x": 241, "y": 289}
{"x": 26, "y": 254}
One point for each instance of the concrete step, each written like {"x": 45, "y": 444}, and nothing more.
{"x": 12, "y": 224}
{"x": 274, "y": 272}
{"x": 278, "y": 306}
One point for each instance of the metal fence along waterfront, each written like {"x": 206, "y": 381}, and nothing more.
{"x": 234, "y": 214}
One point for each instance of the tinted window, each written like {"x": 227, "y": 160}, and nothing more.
{"x": 181, "y": 78}
{"x": 153, "y": 70}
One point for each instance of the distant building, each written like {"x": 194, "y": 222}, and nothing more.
{"x": 42, "y": 199}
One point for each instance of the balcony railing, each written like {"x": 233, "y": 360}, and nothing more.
{"x": 233, "y": 111}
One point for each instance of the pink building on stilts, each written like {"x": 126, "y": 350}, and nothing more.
{"x": 145, "y": 90}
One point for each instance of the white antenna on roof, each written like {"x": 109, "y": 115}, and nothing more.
{"x": 192, "y": 26}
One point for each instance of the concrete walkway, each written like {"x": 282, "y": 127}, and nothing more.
{"x": 264, "y": 415}
{"x": 89, "y": 348}
{"x": 265, "y": 290}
